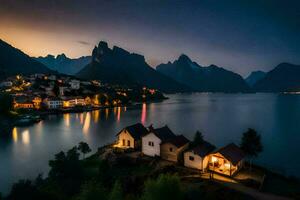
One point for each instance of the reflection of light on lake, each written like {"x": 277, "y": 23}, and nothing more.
{"x": 106, "y": 113}
{"x": 144, "y": 112}
{"x": 87, "y": 123}
{"x": 81, "y": 118}
{"x": 96, "y": 115}
{"x": 119, "y": 114}
{"x": 67, "y": 119}
{"x": 15, "y": 134}
{"x": 125, "y": 108}
{"x": 25, "y": 137}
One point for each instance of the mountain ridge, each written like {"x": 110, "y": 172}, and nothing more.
{"x": 118, "y": 66}
{"x": 64, "y": 64}
{"x": 203, "y": 79}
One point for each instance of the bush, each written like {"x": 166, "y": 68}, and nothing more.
{"x": 164, "y": 187}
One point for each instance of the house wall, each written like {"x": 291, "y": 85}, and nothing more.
{"x": 196, "y": 163}
{"x": 151, "y": 150}
{"x": 173, "y": 155}
{"x": 167, "y": 154}
{"x": 126, "y": 137}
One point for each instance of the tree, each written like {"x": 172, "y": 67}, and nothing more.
{"x": 66, "y": 170}
{"x": 116, "y": 192}
{"x": 164, "y": 187}
{"x": 251, "y": 144}
{"x": 84, "y": 148}
{"x": 24, "y": 190}
{"x": 198, "y": 139}
{"x": 6, "y": 103}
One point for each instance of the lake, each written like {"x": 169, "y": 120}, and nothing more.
{"x": 222, "y": 118}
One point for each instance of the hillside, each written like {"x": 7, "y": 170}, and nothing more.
{"x": 13, "y": 61}
{"x": 284, "y": 77}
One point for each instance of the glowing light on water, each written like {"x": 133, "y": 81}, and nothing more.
{"x": 81, "y": 118}
{"x": 15, "y": 135}
{"x": 96, "y": 115}
{"x": 67, "y": 119}
{"x": 26, "y": 137}
{"x": 87, "y": 123}
{"x": 106, "y": 113}
{"x": 119, "y": 114}
{"x": 144, "y": 113}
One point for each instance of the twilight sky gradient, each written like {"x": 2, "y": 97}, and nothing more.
{"x": 240, "y": 35}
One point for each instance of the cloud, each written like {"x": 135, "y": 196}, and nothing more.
{"x": 83, "y": 42}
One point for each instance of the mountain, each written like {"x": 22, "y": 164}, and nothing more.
{"x": 254, "y": 77}
{"x": 13, "y": 61}
{"x": 284, "y": 77}
{"x": 118, "y": 66}
{"x": 63, "y": 64}
{"x": 203, "y": 79}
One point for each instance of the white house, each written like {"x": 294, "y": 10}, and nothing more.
{"x": 53, "y": 103}
{"x": 131, "y": 136}
{"x": 6, "y": 84}
{"x": 198, "y": 156}
{"x": 152, "y": 141}
{"x": 75, "y": 84}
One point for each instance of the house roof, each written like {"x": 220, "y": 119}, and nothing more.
{"x": 163, "y": 133}
{"x": 232, "y": 153}
{"x": 178, "y": 141}
{"x": 203, "y": 149}
{"x": 136, "y": 130}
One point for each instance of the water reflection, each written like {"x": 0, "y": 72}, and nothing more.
{"x": 81, "y": 118}
{"x": 15, "y": 135}
{"x": 119, "y": 114}
{"x": 87, "y": 123}
{"x": 144, "y": 113}
{"x": 26, "y": 137}
{"x": 96, "y": 115}
{"x": 67, "y": 119}
{"x": 106, "y": 113}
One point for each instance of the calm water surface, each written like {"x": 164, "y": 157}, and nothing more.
{"x": 221, "y": 117}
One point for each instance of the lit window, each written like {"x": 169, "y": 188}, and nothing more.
{"x": 191, "y": 158}
{"x": 214, "y": 159}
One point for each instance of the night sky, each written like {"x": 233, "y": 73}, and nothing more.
{"x": 239, "y": 35}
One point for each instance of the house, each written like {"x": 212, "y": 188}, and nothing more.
{"x": 172, "y": 149}
{"x": 131, "y": 136}
{"x": 37, "y": 102}
{"x": 152, "y": 141}
{"x": 23, "y": 103}
{"x": 197, "y": 157}
{"x": 6, "y": 84}
{"x": 53, "y": 103}
{"x": 70, "y": 102}
{"x": 227, "y": 160}
{"x": 75, "y": 84}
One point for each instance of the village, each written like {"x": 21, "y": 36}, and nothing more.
{"x": 47, "y": 94}
{"x": 164, "y": 143}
